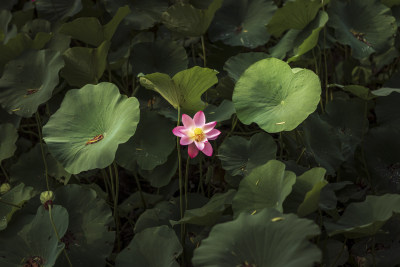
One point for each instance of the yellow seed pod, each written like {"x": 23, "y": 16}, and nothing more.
{"x": 46, "y": 196}
{"x": 4, "y": 188}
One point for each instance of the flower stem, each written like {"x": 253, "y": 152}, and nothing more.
{"x": 178, "y": 147}
{"x": 39, "y": 126}
{"x": 140, "y": 190}
{"x": 204, "y": 51}
{"x": 116, "y": 216}
{"x": 186, "y": 181}
{"x": 58, "y": 236}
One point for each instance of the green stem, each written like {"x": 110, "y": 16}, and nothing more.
{"x": 204, "y": 51}
{"x": 186, "y": 182}
{"x": 178, "y": 147}
{"x": 140, "y": 190}
{"x": 39, "y": 126}
{"x": 116, "y": 216}
{"x": 5, "y": 173}
{"x": 58, "y": 236}
{"x": 201, "y": 178}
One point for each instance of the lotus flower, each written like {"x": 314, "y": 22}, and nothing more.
{"x": 195, "y": 133}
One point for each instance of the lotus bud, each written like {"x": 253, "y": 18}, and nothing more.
{"x": 46, "y": 198}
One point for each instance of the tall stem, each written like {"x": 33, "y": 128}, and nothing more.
{"x": 186, "y": 182}
{"x": 116, "y": 216}
{"x": 140, "y": 190}
{"x": 178, "y": 147}
{"x": 58, "y": 236}
{"x": 204, "y": 51}
{"x": 39, "y": 126}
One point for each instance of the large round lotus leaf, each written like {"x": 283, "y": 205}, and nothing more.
{"x": 266, "y": 186}
{"x": 88, "y": 241}
{"x": 161, "y": 56}
{"x": 236, "y": 65}
{"x": 153, "y": 247}
{"x": 144, "y": 14}
{"x": 221, "y": 113}
{"x": 6, "y": 31}
{"x": 36, "y": 239}
{"x": 365, "y": 218}
{"x": 54, "y": 10}
{"x": 29, "y": 80}
{"x": 188, "y": 20}
{"x": 274, "y": 96}
{"x": 86, "y": 130}
{"x": 240, "y": 156}
{"x": 8, "y": 137}
{"x": 151, "y": 144}
{"x": 17, "y": 195}
{"x": 365, "y": 36}
{"x": 242, "y": 22}
{"x": 184, "y": 90}
{"x": 293, "y": 15}
{"x": 265, "y": 239}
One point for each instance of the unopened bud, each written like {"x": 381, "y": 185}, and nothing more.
{"x": 4, "y": 188}
{"x": 46, "y": 196}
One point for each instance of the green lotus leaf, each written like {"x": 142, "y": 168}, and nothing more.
{"x": 236, "y": 65}
{"x": 266, "y": 186}
{"x": 260, "y": 240}
{"x": 36, "y": 240}
{"x": 151, "y": 145}
{"x": 304, "y": 198}
{"x": 221, "y": 113}
{"x": 385, "y": 91}
{"x": 365, "y": 218}
{"x": 144, "y": 14}
{"x": 210, "y": 213}
{"x": 134, "y": 201}
{"x": 309, "y": 36}
{"x": 188, "y": 20}
{"x": 184, "y": 89}
{"x": 275, "y": 96}
{"x": 35, "y": 26}
{"x": 16, "y": 46}
{"x": 54, "y": 10}
{"x": 293, "y": 15}
{"x": 162, "y": 174}
{"x": 39, "y": 70}
{"x": 363, "y": 36}
{"x": 153, "y": 247}
{"x": 30, "y": 170}
{"x": 11, "y": 200}
{"x": 285, "y": 44}
{"x": 246, "y": 27}
{"x": 387, "y": 111}
{"x": 360, "y": 91}
{"x": 160, "y": 56}
{"x": 8, "y": 137}
{"x": 390, "y": 3}
{"x": 240, "y": 156}
{"x": 89, "y": 29}
{"x": 87, "y": 240}
{"x": 6, "y": 31}
{"x": 161, "y": 214}
{"x": 86, "y": 130}
{"x": 85, "y": 65}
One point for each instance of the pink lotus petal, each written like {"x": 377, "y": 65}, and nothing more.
{"x": 187, "y": 121}
{"x": 200, "y": 145}
{"x": 213, "y": 134}
{"x": 192, "y": 150}
{"x": 179, "y": 131}
{"x": 209, "y": 126}
{"x": 186, "y": 141}
{"x": 207, "y": 150}
{"x": 199, "y": 119}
